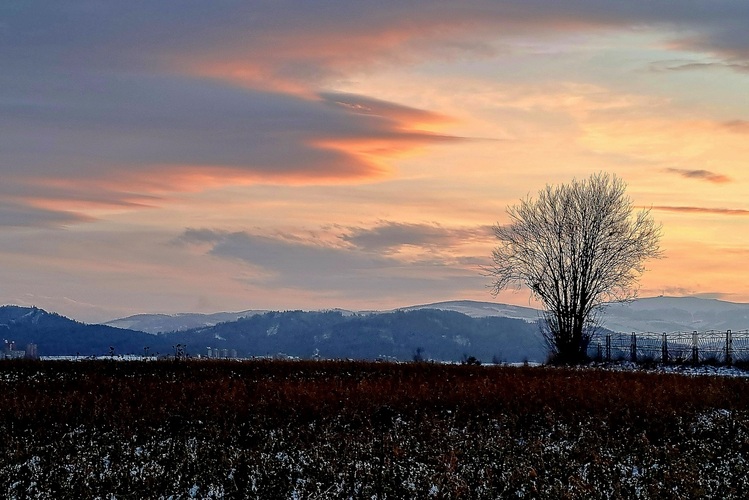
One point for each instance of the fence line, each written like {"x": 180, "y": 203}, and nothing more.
{"x": 720, "y": 347}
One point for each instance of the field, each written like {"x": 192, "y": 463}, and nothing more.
{"x": 282, "y": 429}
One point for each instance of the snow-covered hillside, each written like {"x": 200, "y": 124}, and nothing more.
{"x": 654, "y": 314}
{"x": 477, "y": 309}
{"x": 670, "y": 314}
{"x": 159, "y": 323}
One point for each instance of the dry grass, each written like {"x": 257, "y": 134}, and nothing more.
{"x": 272, "y": 429}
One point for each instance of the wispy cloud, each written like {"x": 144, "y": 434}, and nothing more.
{"x": 304, "y": 45}
{"x": 702, "y": 210}
{"x": 140, "y": 139}
{"x": 699, "y": 174}
{"x": 389, "y": 236}
{"x": 20, "y": 215}
{"x": 741, "y": 66}
{"x": 358, "y": 270}
{"x": 741, "y": 126}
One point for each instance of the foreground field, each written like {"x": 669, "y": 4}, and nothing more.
{"x": 269, "y": 429}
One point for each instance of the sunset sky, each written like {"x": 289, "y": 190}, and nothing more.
{"x": 172, "y": 156}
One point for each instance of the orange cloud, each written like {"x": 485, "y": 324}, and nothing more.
{"x": 191, "y": 136}
{"x": 311, "y": 49}
{"x": 298, "y": 57}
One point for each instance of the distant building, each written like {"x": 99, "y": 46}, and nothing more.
{"x": 11, "y": 352}
{"x": 220, "y": 353}
{"x": 32, "y": 351}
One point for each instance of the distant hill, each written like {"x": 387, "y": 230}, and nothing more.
{"x": 399, "y": 335}
{"x": 60, "y": 336}
{"x": 477, "y": 309}
{"x": 653, "y": 314}
{"x": 430, "y": 333}
{"x": 161, "y": 323}
{"x": 671, "y": 314}
{"x": 446, "y": 331}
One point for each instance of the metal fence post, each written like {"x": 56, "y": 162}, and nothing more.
{"x": 633, "y": 348}
{"x": 695, "y": 351}
{"x": 729, "y": 348}
{"x": 664, "y": 349}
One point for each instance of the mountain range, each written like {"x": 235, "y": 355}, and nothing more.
{"x": 429, "y": 334}
{"x": 448, "y": 331}
{"x": 653, "y": 314}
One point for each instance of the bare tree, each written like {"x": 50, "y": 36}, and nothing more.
{"x": 576, "y": 247}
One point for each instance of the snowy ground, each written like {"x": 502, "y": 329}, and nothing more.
{"x": 371, "y": 430}
{"x": 687, "y": 370}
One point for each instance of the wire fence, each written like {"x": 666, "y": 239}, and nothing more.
{"x": 708, "y": 347}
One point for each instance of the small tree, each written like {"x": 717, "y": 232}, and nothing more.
{"x": 576, "y": 247}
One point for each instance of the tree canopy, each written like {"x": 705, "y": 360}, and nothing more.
{"x": 576, "y": 246}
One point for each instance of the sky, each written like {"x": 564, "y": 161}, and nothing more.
{"x": 175, "y": 156}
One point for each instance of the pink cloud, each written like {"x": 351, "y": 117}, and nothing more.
{"x": 128, "y": 108}
{"x": 167, "y": 136}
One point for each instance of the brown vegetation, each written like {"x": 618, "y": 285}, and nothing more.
{"x": 271, "y": 429}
